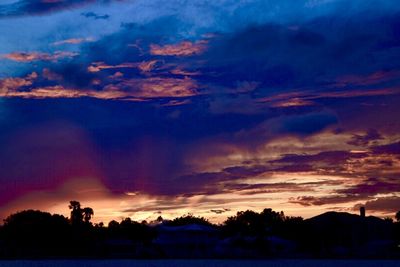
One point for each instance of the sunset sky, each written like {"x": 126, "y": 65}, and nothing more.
{"x": 142, "y": 108}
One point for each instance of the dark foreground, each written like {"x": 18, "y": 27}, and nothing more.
{"x": 248, "y": 235}
{"x": 208, "y": 263}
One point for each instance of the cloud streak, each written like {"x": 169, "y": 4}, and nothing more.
{"x": 38, "y": 56}
{"x": 74, "y": 41}
{"x": 185, "y": 48}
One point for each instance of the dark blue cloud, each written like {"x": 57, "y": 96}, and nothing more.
{"x": 41, "y": 7}
{"x": 307, "y": 124}
{"x": 95, "y": 16}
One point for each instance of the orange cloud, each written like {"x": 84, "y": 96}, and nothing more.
{"x": 134, "y": 89}
{"x": 294, "y": 102}
{"x": 147, "y": 66}
{"x": 156, "y": 87}
{"x": 59, "y": 91}
{"x": 10, "y": 87}
{"x": 74, "y": 41}
{"x": 37, "y": 56}
{"x": 116, "y": 76}
{"x": 99, "y": 66}
{"x": 168, "y": 87}
{"x": 12, "y": 84}
{"x": 184, "y": 48}
{"x": 179, "y": 71}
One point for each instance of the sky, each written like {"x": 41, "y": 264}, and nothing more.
{"x": 147, "y": 108}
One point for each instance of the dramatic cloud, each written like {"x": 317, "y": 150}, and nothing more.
{"x": 206, "y": 106}
{"x": 389, "y": 205}
{"x": 363, "y": 140}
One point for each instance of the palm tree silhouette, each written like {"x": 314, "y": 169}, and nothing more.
{"x": 76, "y": 212}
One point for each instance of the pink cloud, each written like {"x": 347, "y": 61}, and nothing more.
{"x": 11, "y": 84}
{"x": 133, "y": 89}
{"x": 156, "y": 87}
{"x": 168, "y": 87}
{"x": 294, "y": 102}
{"x": 74, "y": 41}
{"x": 59, "y": 91}
{"x": 184, "y": 48}
{"x": 180, "y": 71}
{"x": 38, "y": 56}
{"x": 99, "y": 66}
{"x": 147, "y": 66}
{"x": 116, "y": 76}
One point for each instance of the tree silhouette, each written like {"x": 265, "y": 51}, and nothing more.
{"x": 87, "y": 214}
{"x": 76, "y": 212}
{"x": 188, "y": 219}
{"x": 246, "y": 223}
{"x": 265, "y": 223}
{"x": 35, "y": 233}
{"x": 79, "y": 215}
{"x": 74, "y": 205}
{"x": 113, "y": 224}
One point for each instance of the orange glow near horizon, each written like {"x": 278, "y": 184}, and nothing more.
{"x": 279, "y": 190}
{"x": 215, "y": 207}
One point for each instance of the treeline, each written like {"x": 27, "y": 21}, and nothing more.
{"x": 248, "y": 234}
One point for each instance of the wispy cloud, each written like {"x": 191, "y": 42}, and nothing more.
{"x": 74, "y": 41}
{"x": 308, "y": 98}
{"x": 366, "y": 80}
{"x": 156, "y": 87}
{"x": 123, "y": 89}
{"x": 99, "y": 66}
{"x": 185, "y": 48}
{"x": 38, "y": 56}
{"x": 147, "y": 66}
